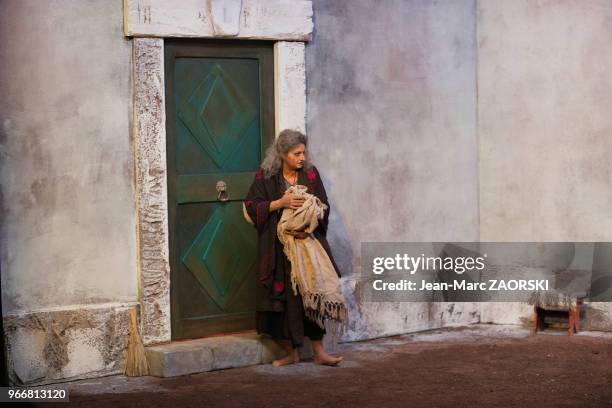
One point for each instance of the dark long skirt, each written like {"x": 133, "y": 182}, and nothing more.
{"x": 292, "y": 323}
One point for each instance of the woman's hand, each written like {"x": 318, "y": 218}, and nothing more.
{"x": 290, "y": 200}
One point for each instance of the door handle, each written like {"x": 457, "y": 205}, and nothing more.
{"x": 222, "y": 194}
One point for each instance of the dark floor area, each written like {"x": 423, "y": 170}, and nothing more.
{"x": 452, "y": 368}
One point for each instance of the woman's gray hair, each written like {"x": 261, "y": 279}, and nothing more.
{"x": 286, "y": 140}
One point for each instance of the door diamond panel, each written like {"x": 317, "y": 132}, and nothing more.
{"x": 217, "y": 115}
{"x": 222, "y": 254}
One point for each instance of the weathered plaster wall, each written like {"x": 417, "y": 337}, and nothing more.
{"x": 461, "y": 120}
{"x": 392, "y": 121}
{"x": 545, "y": 92}
{"x": 67, "y": 230}
{"x": 544, "y": 126}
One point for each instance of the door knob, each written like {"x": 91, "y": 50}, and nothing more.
{"x": 222, "y": 191}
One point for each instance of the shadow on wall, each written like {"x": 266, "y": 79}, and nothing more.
{"x": 338, "y": 236}
{"x": 340, "y": 243}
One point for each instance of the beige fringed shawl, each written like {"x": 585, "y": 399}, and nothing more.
{"x": 312, "y": 272}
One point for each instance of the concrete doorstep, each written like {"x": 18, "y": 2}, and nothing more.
{"x": 215, "y": 353}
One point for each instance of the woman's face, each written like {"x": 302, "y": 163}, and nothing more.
{"x": 294, "y": 159}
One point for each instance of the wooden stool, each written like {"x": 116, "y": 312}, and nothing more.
{"x": 572, "y": 310}
{"x": 573, "y": 318}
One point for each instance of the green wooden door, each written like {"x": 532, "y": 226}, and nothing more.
{"x": 219, "y": 116}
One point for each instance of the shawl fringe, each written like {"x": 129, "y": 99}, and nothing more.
{"x": 319, "y": 287}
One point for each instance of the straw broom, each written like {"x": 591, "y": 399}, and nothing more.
{"x": 135, "y": 358}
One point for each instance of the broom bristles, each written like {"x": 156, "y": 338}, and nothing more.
{"x": 136, "y": 364}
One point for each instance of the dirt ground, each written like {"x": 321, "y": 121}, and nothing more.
{"x": 468, "y": 367}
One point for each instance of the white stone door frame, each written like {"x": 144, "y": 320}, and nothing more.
{"x": 286, "y": 22}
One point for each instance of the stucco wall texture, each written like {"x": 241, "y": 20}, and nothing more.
{"x": 544, "y": 120}
{"x": 462, "y": 120}
{"x": 545, "y": 128}
{"x": 391, "y": 116}
{"x": 67, "y": 234}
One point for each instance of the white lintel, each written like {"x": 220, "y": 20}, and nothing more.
{"x": 278, "y": 20}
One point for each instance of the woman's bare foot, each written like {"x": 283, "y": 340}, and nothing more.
{"x": 321, "y": 356}
{"x": 291, "y": 357}
{"x": 326, "y": 359}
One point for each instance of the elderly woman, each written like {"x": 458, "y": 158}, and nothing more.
{"x": 279, "y": 312}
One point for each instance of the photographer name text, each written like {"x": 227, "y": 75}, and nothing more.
{"x": 491, "y": 284}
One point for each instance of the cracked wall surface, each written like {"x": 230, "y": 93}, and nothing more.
{"x": 67, "y": 218}
{"x": 44, "y": 347}
{"x": 66, "y": 168}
